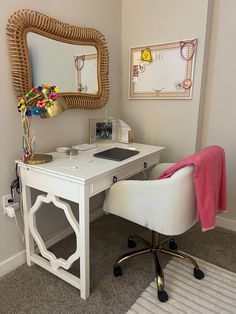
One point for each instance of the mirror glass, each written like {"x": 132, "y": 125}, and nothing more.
{"x": 71, "y": 67}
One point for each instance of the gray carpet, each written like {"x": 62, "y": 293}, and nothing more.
{"x": 34, "y": 290}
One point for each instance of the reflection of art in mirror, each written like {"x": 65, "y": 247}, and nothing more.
{"x": 102, "y": 129}
{"x": 86, "y": 73}
{"x": 162, "y": 70}
{"x": 82, "y": 41}
{"x": 53, "y": 66}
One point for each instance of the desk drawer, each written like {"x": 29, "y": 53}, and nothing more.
{"x": 104, "y": 182}
{"x": 50, "y": 184}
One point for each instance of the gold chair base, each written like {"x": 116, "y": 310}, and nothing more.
{"x": 156, "y": 247}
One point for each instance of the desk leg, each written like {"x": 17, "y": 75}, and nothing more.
{"x": 29, "y": 242}
{"x": 84, "y": 242}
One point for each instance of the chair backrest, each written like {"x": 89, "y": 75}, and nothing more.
{"x": 167, "y": 206}
{"x": 158, "y": 169}
{"x": 178, "y": 204}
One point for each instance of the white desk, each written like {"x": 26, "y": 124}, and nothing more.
{"x": 75, "y": 179}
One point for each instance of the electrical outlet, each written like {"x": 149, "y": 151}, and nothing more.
{"x": 10, "y": 211}
{"x": 5, "y": 202}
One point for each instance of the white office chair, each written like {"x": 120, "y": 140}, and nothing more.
{"x": 166, "y": 206}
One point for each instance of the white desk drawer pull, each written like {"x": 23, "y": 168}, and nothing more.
{"x": 145, "y": 165}
{"x": 115, "y": 179}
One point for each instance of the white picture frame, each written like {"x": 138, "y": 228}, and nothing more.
{"x": 102, "y": 130}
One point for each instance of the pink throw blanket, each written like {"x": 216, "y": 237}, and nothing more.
{"x": 209, "y": 180}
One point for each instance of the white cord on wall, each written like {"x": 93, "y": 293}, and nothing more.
{"x": 18, "y": 228}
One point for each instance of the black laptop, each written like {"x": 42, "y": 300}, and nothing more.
{"x": 116, "y": 153}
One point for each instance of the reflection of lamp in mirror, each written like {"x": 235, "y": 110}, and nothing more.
{"x": 43, "y": 101}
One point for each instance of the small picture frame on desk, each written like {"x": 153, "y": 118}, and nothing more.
{"x": 103, "y": 130}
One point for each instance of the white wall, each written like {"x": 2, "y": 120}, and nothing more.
{"x": 220, "y": 105}
{"x": 170, "y": 123}
{"x": 69, "y": 128}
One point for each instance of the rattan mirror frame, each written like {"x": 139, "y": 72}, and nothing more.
{"x": 24, "y": 21}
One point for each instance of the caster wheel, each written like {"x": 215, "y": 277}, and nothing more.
{"x": 198, "y": 273}
{"x": 131, "y": 244}
{"x": 162, "y": 296}
{"x": 173, "y": 245}
{"x": 117, "y": 271}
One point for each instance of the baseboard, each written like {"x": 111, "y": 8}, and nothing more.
{"x": 19, "y": 259}
{"x": 96, "y": 213}
{"x": 12, "y": 263}
{"x": 226, "y": 223}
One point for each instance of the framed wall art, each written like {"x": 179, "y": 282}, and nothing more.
{"x": 102, "y": 129}
{"x": 162, "y": 71}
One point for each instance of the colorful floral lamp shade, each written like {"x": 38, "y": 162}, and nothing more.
{"x": 40, "y": 101}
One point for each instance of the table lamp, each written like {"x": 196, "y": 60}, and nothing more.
{"x": 40, "y": 101}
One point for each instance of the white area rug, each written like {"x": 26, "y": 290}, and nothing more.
{"x": 216, "y": 293}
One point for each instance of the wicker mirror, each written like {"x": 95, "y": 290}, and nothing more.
{"x": 25, "y": 23}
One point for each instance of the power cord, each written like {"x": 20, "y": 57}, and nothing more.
{"x": 15, "y": 185}
{"x": 18, "y": 228}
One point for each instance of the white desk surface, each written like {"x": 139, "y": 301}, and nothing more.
{"x": 85, "y": 166}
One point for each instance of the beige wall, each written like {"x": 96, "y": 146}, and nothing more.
{"x": 170, "y": 123}
{"x": 220, "y": 105}
{"x": 68, "y": 128}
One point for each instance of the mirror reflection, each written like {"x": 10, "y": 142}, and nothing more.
{"x": 71, "y": 67}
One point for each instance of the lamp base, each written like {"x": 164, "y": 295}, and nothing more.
{"x": 36, "y": 159}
